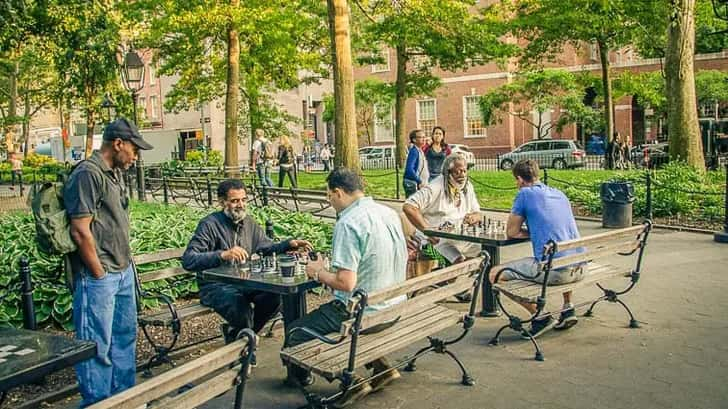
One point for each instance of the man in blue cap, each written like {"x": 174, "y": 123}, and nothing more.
{"x": 104, "y": 304}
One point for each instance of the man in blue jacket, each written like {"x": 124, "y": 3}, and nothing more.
{"x": 231, "y": 236}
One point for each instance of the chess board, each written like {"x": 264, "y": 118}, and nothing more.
{"x": 9, "y": 352}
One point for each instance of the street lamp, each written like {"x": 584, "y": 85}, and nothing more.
{"x": 132, "y": 74}
{"x": 108, "y": 105}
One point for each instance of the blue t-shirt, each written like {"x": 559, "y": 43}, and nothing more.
{"x": 548, "y": 216}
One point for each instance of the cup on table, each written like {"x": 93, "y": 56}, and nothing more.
{"x": 287, "y": 264}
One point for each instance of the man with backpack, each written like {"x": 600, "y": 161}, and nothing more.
{"x": 104, "y": 305}
{"x": 263, "y": 158}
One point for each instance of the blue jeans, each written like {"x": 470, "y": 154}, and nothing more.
{"x": 263, "y": 170}
{"x": 104, "y": 311}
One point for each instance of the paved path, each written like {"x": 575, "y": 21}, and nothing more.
{"x": 679, "y": 359}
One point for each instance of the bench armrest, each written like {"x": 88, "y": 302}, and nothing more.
{"x": 317, "y": 335}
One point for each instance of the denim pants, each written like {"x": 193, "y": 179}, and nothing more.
{"x": 263, "y": 170}
{"x": 104, "y": 311}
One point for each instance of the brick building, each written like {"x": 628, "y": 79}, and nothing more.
{"x": 454, "y": 105}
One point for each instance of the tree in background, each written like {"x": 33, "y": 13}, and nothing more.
{"x": 540, "y": 92}
{"x": 373, "y": 100}
{"x": 426, "y": 35}
{"x": 547, "y": 26}
{"x": 243, "y": 50}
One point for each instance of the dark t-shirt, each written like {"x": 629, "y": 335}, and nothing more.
{"x": 94, "y": 189}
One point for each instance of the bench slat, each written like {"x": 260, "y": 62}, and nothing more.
{"x": 397, "y": 340}
{"x": 527, "y": 291}
{"x": 173, "y": 379}
{"x": 203, "y": 392}
{"x": 163, "y": 317}
{"x": 158, "y": 256}
{"x": 593, "y": 253}
{"x": 601, "y": 238}
{"x": 421, "y": 282}
{"x": 313, "y": 353}
{"x": 411, "y": 305}
{"x": 161, "y": 274}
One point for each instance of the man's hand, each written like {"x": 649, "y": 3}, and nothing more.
{"x": 301, "y": 245}
{"x": 315, "y": 268}
{"x": 472, "y": 218}
{"x": 236, "y": 253}
{"x": 433, "y": 240}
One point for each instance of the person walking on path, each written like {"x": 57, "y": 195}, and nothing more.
{"x": 436, "y": 152}
{"x": 286, "y": 162}
{"x": 262, "y": 158}
{"x": 16, "y": 169}
{"x": 416, "y": 174}
{"x": 104, "y": 300}
{"x": 326, "y": 157}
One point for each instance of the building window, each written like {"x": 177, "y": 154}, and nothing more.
{"x": 706, "y": 109}
{"x": 152, "y": 74}
{"x": 473, "y": 121}
{"x": 154, "y": 107}
{"x": 383, "y": 123}
{"x": 426, "y": 115}
{"x": 543, "y": 118}
{"x": 384, "y": 67}
{"x": 142, "y": 108}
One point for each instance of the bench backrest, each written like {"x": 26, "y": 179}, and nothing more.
{"x": 172, "y": 380}
{"x": 452, "y": 280}
{"x": 606, "y": 245}
{"x": 163, "y": 255}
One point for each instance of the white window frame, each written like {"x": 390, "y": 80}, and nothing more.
{"x": 155, "y": 110}
{"x": 152, "y": 74}
{"x": 379, "y": 67}
{"x": 391, "y": 125}
{"x": 546, "y": 117}
{"x": 142, "y": 107}
{"x": 419, "y": 117}
{"x": 465, "y": 120}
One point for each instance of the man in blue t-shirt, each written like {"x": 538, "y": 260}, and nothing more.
{"x": 548, "y": 216}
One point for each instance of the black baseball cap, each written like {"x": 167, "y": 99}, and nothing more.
{"x": 126, "y": 131}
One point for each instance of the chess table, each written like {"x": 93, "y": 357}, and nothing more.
{"x": 490, "y": 242}
{"x": 27, "y": 356}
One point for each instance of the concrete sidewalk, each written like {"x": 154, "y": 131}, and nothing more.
{"x": 678, "y": 359}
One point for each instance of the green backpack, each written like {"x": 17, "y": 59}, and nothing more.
{"x": 52, "y": 227}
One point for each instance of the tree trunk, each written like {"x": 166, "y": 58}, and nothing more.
{"x": 232, "y": 99}
{"x": 12, "y": 108}
{"x": 347, "y": 146}
{"x": 26, "y": 125}
{"x": 399, "y": 106}
{"x": 682, "y": 111}
{"x": 90, "y": 122}
{"x": 608, "y": 103}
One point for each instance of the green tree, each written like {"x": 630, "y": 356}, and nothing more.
{"x": 242, "y": 50}
{"x": 373, "y": 100}
{"x": 540, "y": 92}
{"x": 425, "y": 35}
{"x": 547, "y": 26}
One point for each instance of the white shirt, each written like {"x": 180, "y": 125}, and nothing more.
{"x": 258, "y": 147}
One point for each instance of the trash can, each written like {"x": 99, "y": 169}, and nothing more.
{"x": 617, "y": 198}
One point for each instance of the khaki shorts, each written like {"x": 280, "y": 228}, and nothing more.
{"x": 528, "y": 269}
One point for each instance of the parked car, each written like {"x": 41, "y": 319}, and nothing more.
{"x": 376, "y": 152}
{"x": 557, "y": 154}
{"x": 649, "y": 155}
{"x": 464, "y": 151}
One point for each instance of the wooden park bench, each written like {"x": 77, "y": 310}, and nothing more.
{"x": 213, "y": 374}
{"x": 281, "y": 195}
{"x": 369, "y": 336}
{"x": 169, "y": 316}
{"x": 598, "y": 256}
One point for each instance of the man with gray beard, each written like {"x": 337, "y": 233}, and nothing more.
{"x": 230, "y": 236}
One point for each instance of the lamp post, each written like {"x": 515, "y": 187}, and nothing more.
{"x": 133, "y": 77}
{"x": 108, "y": 105}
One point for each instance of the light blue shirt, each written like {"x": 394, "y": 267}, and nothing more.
{"x": 368, "y": 239}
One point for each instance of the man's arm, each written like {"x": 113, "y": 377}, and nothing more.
{"x": 514, "y": 229}
{"x": 200, "y": 253}
{"x": 414, "y": 215}
{"x": 342, "y": 279}
{"x": 84, "y": 239}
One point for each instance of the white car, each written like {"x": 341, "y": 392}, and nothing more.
{"x": 464, "y": 151}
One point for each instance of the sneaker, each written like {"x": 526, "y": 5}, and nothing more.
{"x": 354, "y": 394}
{"x": 464, "y": 297}
{"x": 566, "y": 320}
{"x": 539, "y": 327}
{"x": 388, "y": 377}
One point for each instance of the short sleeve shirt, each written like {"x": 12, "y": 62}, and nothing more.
{"x": 548, "y": 216}
{"x": 437, "y": 209}
{"x": 368, "y": 240}
{"x": 258, "y": 147}
{"x": 94, "y": 189}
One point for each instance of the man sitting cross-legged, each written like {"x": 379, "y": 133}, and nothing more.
{"x": 548, "y": 216}
{"x": 369, "y": 253}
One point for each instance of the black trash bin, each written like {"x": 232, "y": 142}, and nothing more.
{"x": 617, "y": 198}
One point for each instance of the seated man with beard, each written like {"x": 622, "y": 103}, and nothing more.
{"x": 231, "y": 236}
{"x": 448, "y": 198}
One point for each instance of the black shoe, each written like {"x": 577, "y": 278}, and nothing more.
{"x": 539, "y": 327}
{"x": 228, "y": 333}
{"x": 566, "y": 320}
{"x": 464, "y": 296}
